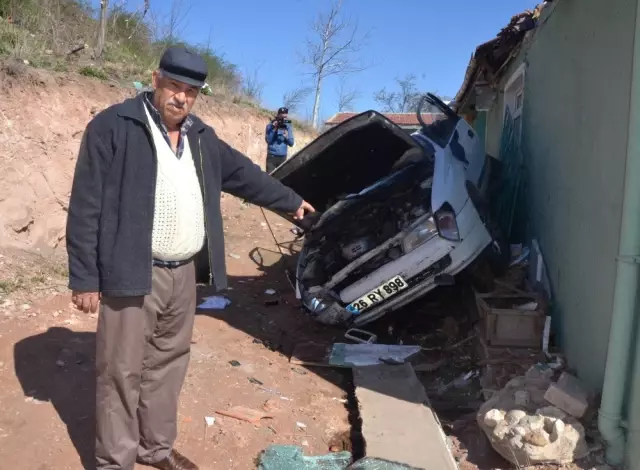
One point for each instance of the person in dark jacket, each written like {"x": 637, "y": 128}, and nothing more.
{"x": 279, "y": 136}
{"x": 145, "y": 201}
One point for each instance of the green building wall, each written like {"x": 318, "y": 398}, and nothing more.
{"x": 576, "y": 110}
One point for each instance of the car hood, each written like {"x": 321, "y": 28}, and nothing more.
{"x": 345, "y": 159}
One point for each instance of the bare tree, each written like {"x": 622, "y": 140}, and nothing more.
{"x": 102, "y": 28}
{"x": 177, "y": 20}
{"x": 294, "y": 98}
{"x": 252, "y": 86}
{"x": 332, "y": 50}
{"x": 346, "y": 96}
{"x": 402, "y": 101}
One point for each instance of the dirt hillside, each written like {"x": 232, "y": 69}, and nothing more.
{"x": 42, "y": 118}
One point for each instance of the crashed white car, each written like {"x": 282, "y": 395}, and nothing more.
{"x": 399, "y": 214}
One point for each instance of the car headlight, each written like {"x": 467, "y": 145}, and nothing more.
{"x": 419, "y": 234}
{"x": 317, "y": 305}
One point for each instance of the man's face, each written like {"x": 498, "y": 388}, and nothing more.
{"x": 173, "y": 99}
{"x": 283, "y": 115}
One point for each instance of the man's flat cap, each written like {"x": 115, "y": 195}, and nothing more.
{"x": 183, "y": 65}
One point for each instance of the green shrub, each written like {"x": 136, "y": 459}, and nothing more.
{"x": 89, "y": 71}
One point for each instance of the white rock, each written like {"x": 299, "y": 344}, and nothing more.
{"x": 520, "y": 431}
{"x": 514, "y": 416}
{"x": 557, "y": 430}
{"x": 532, "y": 423}
{"x": 539, "y": 438}
{"x": 493, "y": 418}
{"x": 501, "y": 431}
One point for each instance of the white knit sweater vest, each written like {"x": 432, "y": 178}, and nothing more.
{"x": 178, "y": 218}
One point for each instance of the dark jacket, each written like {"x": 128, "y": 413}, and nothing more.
{"x": 112, "y": 200}
{"x": 276, "y": 141}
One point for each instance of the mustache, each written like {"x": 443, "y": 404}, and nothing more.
{"x": 176, "y": 105}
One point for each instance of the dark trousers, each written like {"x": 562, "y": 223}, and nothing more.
{"x": 143, "y": 346}
{"x": 274, "y": 161}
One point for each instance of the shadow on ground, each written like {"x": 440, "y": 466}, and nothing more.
{"x": 59, "y": 366}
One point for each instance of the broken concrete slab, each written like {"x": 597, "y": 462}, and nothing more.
{"x": 398, "y": 424}
{"x": 568, "y": 394}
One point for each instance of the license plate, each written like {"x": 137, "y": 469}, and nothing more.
{"x": 386, "y": 290}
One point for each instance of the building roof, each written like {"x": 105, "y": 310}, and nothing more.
{"x": 401, "y": 119}
{"x": 490, "y": 59}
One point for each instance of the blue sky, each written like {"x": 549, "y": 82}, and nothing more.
{"x": 432, "y": 39}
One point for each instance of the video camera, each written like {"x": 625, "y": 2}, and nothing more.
{"x": 281, "y": 122}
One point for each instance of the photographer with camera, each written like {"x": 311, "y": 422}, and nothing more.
{"x": 279, "y": 135}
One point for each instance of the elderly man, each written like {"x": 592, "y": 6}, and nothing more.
{"x": 145, "y": 200}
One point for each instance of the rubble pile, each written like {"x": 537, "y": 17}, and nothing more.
{"x": 525, "y": 429}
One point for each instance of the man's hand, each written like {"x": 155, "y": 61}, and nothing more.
{"x": 305, "y": 207}
{"x": 86, "y": 301}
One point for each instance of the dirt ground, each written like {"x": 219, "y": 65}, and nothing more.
{"x": 47, "y": 353}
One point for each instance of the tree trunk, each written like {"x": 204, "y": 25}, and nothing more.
{"x": 104, "y": 7}
{"x": 316, "y": 103}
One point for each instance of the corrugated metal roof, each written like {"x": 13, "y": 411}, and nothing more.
{"x": 401, "y": 119}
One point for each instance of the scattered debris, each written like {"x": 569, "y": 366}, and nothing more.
{"x": 270, "y": 292}
{"x": 234, "y": 363}
{"x": 299, "y": 371}
{"x": 215, "y": 302}
{"x": 360, "y": 336}
{"x": 255, "y": 381}
{"x": 271, "y": 302}
{"x": 244, "y": 414}
{"x": 529, "y": 432}
{"x": 300, "y": 425}
{"x": 275, "y": 392}
{"x": 234, "y": 256}
{"x": 33, "y": 400}
{"x": 568, "y": 394}
{"x": 459, "y": 382}
{"x": 450, "y": 328}
{"x": 270, "y": 406}
{"x": 208, "y": 422}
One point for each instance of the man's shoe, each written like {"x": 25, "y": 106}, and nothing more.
{"x": 175, "y": 461}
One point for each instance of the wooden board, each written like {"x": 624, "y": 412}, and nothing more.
{"x": 398, "y": 424}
